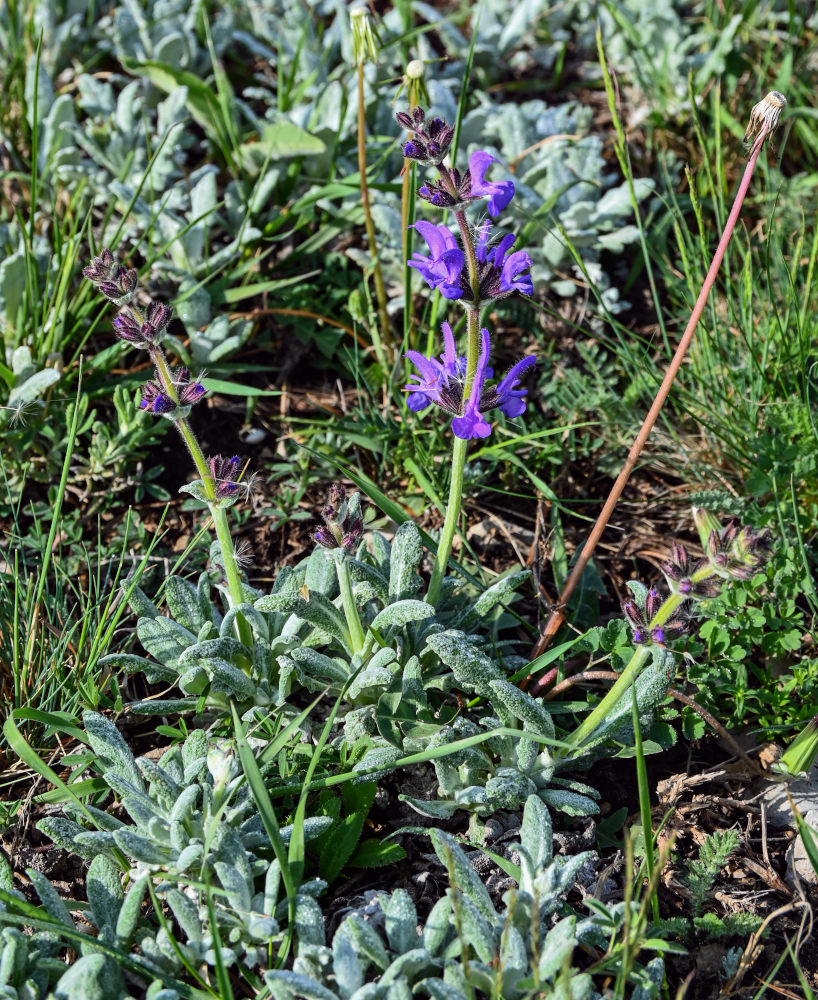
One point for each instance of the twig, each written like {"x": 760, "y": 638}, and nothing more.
{"x": 763, "y": 120}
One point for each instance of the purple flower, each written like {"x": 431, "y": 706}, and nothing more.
{"x": 435, "y": 375}
{"x": 224, "y": 471}
{"x": 143, "y": 330}
{"x": 501, "y": 271}
{"x": 444, "y": 267}
{"x": 472, "y": 423}
{"x": 116, "y": 282}
{"x": 441, "y": 382}
{"x": 678, "y": 571}
{"x": 343, "y": 523}
{"x": 499, "y": 193}
{"x": 155, "y": 399}
{"x": 455, "y": 191}
{"x": 640, "y": 618}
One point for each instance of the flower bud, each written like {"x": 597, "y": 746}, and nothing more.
{"x": 225, "y": 472}
{"x": 705, "y": 523}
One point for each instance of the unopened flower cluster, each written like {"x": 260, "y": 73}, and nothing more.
{"x": 343, "y": 521}
{"x": 499, "y": 271}
{"x": 172, "y": 391}
{"x": 732, "y": 552}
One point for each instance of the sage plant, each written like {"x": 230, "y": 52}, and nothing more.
{"x": 474, "y": 267}
{"x": 171, "y": 394}
{"x": 731, "y": 552}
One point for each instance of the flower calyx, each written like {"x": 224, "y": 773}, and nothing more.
{"x": 116, "y": 282}
{"x": 156, "y": 398}
{"x": 430, "y": 140}
{"x": 691, "y": 580}
{"x": 343, "y": 521}
{"x": 641, "y": 611}
{"x": 144, "y": 330}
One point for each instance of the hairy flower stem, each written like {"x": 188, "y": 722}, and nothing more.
{"x": 635, "y": 665}
{"x": 378, "y": 336}
{"x": 460, "y": 448}
{"x": 557, "y": 616}
{"x": 219, "y": 514}
{"x": 356, "y": 632}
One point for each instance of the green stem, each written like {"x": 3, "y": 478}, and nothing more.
{"x": 629, "y": 674}
{"x": 356, "y": 632}
{"x": 461, "y": 445}
{"x": 444, "y": 546}
{"x": 624, "y": 681}
{"x": 231, "y": 568}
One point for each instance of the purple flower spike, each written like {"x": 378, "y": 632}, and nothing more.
{"x": 499, "y": 193}
{"x": 473, "y": 424}
{"x": 444, "y": 267}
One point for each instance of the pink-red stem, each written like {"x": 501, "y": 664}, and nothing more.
{"x": 557, "y": 617}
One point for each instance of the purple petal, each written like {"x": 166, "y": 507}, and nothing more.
{"x": 500, "y": 192}
{"x": 483, "y": 241}
{"x": 512, "y": 278}
{"x": 503, "y": 193}
{"x": 472, "y": 424}
{"x": 449, "y": 355}
{"x": 440, "y": 238}
{"x": 479, "y": 162}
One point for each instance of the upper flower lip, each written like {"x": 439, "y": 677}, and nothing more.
{"x": 499, "y": 193}
{"x": 443, "y": 268}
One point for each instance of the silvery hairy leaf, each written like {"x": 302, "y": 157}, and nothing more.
{"x": 405, "y": 556}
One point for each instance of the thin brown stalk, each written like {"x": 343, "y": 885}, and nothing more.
{"x": 383, "y": 339}
{"x": 764, "y": 123}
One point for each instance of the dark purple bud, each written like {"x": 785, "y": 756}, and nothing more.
{"x": 337, "y": 494}
{"x": 155, "y": 400}
{"x": 157, "y": 316}
{"x": 405, "y": 120}
{"x": 415, "y": 150}
{"x": 418, "y": 116}
{"x": 224, "y": 471}
{"x": 110, "y": 290}
{"x": 325, "y": 537}
{"x": 128, "y": 328}
{"x": 652, "y": 603}
{"x": 191, "y": 393}
{"x": 128, "y": 279}
{"x": 632, "y": 612}
{"x": 638, "y": 636}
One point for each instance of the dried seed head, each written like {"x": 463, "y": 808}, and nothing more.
{"x": 764, "y": 117}
{"x": 364, "y": 38}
